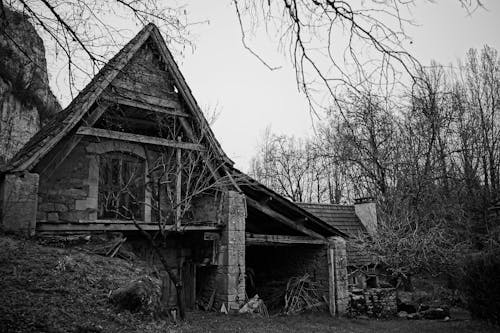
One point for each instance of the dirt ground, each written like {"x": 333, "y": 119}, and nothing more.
{"x": 200, "y": 322}
{"x": 48, "y": 289}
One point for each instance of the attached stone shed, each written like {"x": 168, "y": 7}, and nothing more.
{"x": 353, "y": 220}
{"x": 133, "y": 154}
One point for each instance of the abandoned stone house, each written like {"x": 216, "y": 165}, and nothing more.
{"x": 133, "y": 150}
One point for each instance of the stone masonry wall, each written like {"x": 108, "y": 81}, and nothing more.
{"x": 373, "y": 302}
{"x": 230, "y": 274}
{"x": 381, "y": 302}
{"x": 61, "y": 196}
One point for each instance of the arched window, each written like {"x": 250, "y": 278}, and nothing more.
{"x": 121, "y": 186}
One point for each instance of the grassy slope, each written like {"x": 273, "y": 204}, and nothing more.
{"x": 44, "y": 289}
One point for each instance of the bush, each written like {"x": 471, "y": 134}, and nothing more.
{"x": 480, "y": 285}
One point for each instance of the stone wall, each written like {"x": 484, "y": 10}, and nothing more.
{"x": 64, "y": 194}
{"x": 230, "y": 274}
{"x": 373, "y": 302}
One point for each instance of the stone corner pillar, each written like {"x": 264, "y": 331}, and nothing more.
{"x": 231, "y": 262}
{"x": 19, "y": 202}
{"x": 337, "y": 276}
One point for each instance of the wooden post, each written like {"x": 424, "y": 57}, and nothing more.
{"x": 332, "y": 303}
{"x": 178, "y": 194}
{"x": 337, "y": 279}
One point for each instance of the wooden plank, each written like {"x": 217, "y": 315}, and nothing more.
{"x": 104, "y": 133}
{"x": 282, "y": 219}
{"x": 171, "y": 108}
{"x": 332, "y": 304}
{"x": 115, "y": 226}
{"x": 255, "y": 239}
{"x": 153, "y": 100}
{"x": 178, "y": 188}
{"x": 145, "y": 84}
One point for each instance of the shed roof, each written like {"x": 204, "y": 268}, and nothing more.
{"x": 344, "y": 218}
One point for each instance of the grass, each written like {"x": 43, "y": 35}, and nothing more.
{"x": 46, "y": 289}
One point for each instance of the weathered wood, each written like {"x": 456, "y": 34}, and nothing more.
{"x": 115, "y": 226}
{"x": 282, "y": 219}
{"x": 153, "y": 85}
{"x": 166, "y": 106}
{"x": 178, "y": 189}
{"x": 104, "y": 133}
{"x": 332, "y": 304}
{"x": 153, "y": 100}
{"x": 281, "y": 239}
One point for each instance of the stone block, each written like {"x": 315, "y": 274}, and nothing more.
{"x": 53, "y": 217}
{"x": 47, "y": 207}
{"x": 86, "y": 203}
{"x": 58, "y": 207}
{"x": 73, "y": 216}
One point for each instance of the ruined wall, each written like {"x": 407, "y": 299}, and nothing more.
{"x": 26, "y": 100}
{"x": 373, "y": 302}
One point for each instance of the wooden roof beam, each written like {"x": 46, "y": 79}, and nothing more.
{"x": 123, "y": 136}
{"x": 257, "y": 239}
{"x": 282, "y": 219}
{"x": 151, "y": 104}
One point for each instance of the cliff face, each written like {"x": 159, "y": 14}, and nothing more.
{"x": 26, "y": 100}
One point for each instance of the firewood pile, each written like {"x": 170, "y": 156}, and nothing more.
{"x": 302, "y": 295}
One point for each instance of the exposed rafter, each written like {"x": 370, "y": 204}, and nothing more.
{"x": 104, "y": 133}
{"x": 257, "y": 239}
{"x": 281, "y": 218}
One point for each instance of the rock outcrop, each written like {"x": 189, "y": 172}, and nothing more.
{"x": 26, "y": 100}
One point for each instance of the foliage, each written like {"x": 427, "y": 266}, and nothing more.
{"x": 480, "y": 285}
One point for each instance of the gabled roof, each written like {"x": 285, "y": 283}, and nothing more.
{"x": 63, "y": 122}
{"x": 344, "y": 218}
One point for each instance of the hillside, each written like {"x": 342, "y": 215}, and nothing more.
{"x": 47, "y": 289}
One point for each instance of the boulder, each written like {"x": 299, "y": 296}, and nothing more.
{"x": 435, "y": 313}
{"x": 141, "y": 295}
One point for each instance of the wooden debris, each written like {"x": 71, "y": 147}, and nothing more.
{"x": 301, "y": 295}
{"x": 210, "y": 302}
{"x": 116, "y": 247}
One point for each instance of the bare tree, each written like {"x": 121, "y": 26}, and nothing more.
{"x": 85, "y": 33}
{"x": 334, "y": 44}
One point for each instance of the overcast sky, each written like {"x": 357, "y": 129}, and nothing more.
{"x": 250, "y": 97}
